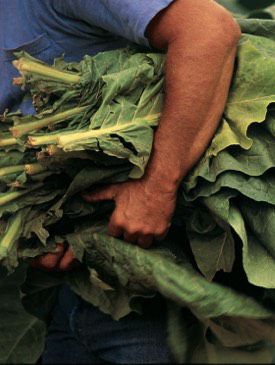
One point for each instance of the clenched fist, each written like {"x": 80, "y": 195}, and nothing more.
{"x": 143, "y": 210}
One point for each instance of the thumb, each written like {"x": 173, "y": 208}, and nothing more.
{"x": 105, "y": 193}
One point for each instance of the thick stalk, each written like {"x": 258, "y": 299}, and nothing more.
{"x": 11, "y": 235}
{"x": 4, "y": 142}
{"x": 8, "y": 197}
{"x": 25, "y": 66}
{"x": 34, "y": 168}
{"x": 8, "y": 170}
{"x": 24, "y": 128}
{"x": 36, "y": 141}
{"x": 30, "y": 169}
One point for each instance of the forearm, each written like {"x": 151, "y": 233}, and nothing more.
{"x": 198, "y": 73}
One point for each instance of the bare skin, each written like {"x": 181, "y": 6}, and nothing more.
{"x": 61, "y": 260}
{"x": 201, "y": 40}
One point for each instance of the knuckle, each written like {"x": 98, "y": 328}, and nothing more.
{"x": 147, "y": 231}
{"x": 117, "y": 222}
{"x": 132, "y": 230}
{"x": 160, "y": 231}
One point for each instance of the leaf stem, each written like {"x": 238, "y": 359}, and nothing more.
{"x": 34, "y": 168}
{"x": 11, "y": 235}
{"x": 4, "y": 142}
{"x": 27, "y": 66}
{"x": 21, "y": 129}
{"x": 35, "y": 141}
{"x": 13, "y": 195}
{"x": 11, "y": 170}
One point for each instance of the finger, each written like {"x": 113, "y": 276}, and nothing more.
{"x": 106, "y": 193}
{"x": 68, "y": 261}
{"x": 145, "y": 241}
{"x": 49, "y": 261}
{"x": 132, "y": 238}
{"x": 114, "y": 230}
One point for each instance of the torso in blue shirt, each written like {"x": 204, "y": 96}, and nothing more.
{"x": 48, "y": 28}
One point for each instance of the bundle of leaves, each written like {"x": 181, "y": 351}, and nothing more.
{"x": 94, "y": 125}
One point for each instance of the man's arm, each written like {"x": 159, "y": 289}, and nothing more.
{"x": 201, "y": 39}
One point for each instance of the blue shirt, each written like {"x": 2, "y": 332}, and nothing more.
{"x": 48, "y": 28}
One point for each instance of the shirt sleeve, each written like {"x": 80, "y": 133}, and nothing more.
{"x": 126, "y": 18}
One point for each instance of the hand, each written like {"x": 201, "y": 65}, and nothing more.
{"x": 143, "y": 210}
{"x": 61, "y": 260}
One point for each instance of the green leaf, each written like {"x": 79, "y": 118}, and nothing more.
{"x": 148, "y": 270}
{"x": 244, "y": 6}
{"x": 258, "y": 260}
{"x": 252, "y": 162}
{"x": 122, "y": 127}
{"x": 22, "y": 335}
{"x": 213, "y": 254}
{"x": 39, "y": 292}
{"x": 115, "y": 300}
{"x": 252, "y": 90}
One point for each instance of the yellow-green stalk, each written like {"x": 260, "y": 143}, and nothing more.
{"x": 10, "y": 237}
{"x": 8, "y": 170}
{"x": 24, "y": 65}
{"x": 35, "y": 141}
{"x": 8, "y": 197}
{"x": 10, "y": 141}
{"x": 34, "y": 168}
{"x": 30, "y": 169}
{"x": 24, "y": 128}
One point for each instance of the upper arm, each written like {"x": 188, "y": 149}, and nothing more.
{"x": 192, "y": 18}
{"x": 126, "y": 18}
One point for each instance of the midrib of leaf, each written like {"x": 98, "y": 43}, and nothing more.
{"x": 75, "y": 137}
{"x": 221, "y": 250}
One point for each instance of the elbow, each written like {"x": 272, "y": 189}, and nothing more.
{"x": 229, "y": 30}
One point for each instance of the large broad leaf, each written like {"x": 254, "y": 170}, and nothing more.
{"x": 139, "y": 270}
{"x": 252, "y": 162}
{"x": 111, "y": 298}
{"x": 213, "y": 252}
{"x": 251, "y": 92}
{"x": 260, "y": 189}
{"x": 257, "y": 241}
{"x": 213, "y": 341}
{"x": 153, "y": 270}
{"x": 21, "y": 335}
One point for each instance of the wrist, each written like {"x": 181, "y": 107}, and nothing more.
{"x": 163, "y": 176}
